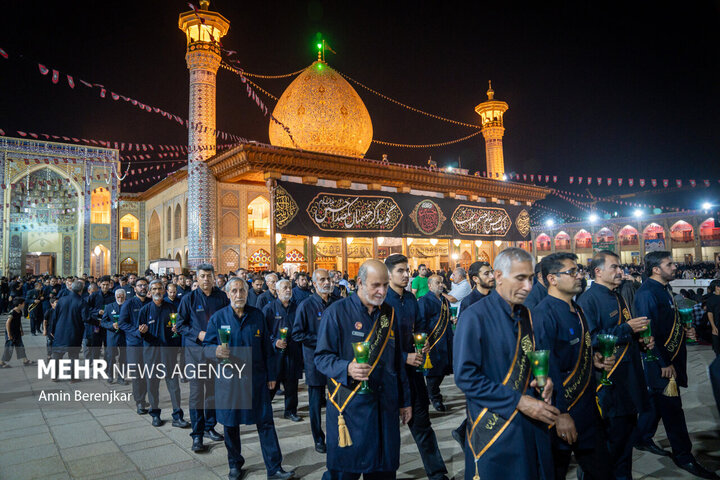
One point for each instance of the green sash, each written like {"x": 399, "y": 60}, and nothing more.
{"x": 486, "y": 428}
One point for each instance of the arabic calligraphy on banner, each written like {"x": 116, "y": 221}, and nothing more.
{"x": 313, "y": 210}
{"x": 342, "y": 213}
{"x": 472, "y": 220}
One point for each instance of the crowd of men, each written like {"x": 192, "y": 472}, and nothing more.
{"x": 479, "y": 325}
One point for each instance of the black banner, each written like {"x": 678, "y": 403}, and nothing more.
{"x": 331, "y": 212}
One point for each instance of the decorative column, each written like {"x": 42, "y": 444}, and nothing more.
{"x": 203, "y": 30}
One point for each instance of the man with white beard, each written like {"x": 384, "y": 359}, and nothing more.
{"x": 363, "y": 430}
{"x": 160, "y": 348}
{"x": 279, "y": 314}
{"x": 247, "y": 330}
{"x": 304, "y": 332}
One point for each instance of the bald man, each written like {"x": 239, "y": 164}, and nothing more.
{"x": 371, "y": 421}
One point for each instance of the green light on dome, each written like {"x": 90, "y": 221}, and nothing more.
{"x": 320, "y": 66}
{"x": 319, "y": 46}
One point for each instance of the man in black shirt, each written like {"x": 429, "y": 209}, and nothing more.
{"x": 13, "y": 335}
{"x": 713, "y": 313}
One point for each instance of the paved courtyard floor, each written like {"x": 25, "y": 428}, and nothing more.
{"x": 84, "y": 442}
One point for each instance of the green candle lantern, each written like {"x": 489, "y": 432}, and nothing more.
{"x": 224, "y": 335}
{"x": 686, "y": 316}
{"x": 173, "y": 322}
{"x": 645, "y": 335}
{"x": 116, "y": 318}
{"x": 607, "y": 344}
{"x": 362, "y": 355}
{"x": 283, "y": 336}
{"x": 420, "y": 340}
{"x": 539, "y": 363}
{"x": 453, "y": 316}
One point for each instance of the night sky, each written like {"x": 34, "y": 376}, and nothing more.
{"x": 626, "y": 89}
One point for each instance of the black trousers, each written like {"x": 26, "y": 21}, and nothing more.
{"x": 166, "y": 356}
{"x": 595, "y": 461}
{"x": 716, "y": 344}
{"x": 269, "y": 445}
{"x": 422, "y": 430}
{"x": 134, "y": 355}
{"x": 291, "y": 389}
{"x": 620, "y": 439}
{"x": 335, "y": 475}
{"x": 316, "y": 395}
{"x": 433, "y": 387}
{"x": 670, "y": 410}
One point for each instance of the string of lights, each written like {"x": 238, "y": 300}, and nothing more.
{"x": 272, "y": 77}
{"x": 413, "y": 109}
{"x": 426, "y": 145}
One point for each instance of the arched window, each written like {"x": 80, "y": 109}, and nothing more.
{"x": 653, "y": 232}
{"x": 259, "y": 261}
{"x": 562, "y": 241}
{"x": 178, "y": 221}
{"x": 543, "y": 243}
{"x": 100, "y": 206}
{"x": 168, "y": 224}
{"x": 709, "y": 232}
{"x": 129, "y": 265}
{"x": 629, "y": 236}
{"x": 129, "y": 227}
{"x": 605, "y": 235}
{"x": 259, "y": 217}
{"x": 682, "y": 232}
{"x": 154, "y": 237}
{"x": 583, "y": 240}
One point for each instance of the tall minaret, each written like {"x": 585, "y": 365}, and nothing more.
{"x": 203, "y": 29}
{"x": 491, "y": 113}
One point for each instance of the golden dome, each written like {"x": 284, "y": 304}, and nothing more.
{"x": 323, "y": 114}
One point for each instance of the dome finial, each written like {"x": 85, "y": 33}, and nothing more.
{"x": 490, "y": 92}
{"x": 204, "y": 4}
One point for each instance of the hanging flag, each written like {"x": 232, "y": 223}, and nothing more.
{"x": 620, "y": 180}
{"x": 666, "y": 182}
{"x": 55, "y": 76}
{"x": 642, "y": 182}
{"x": 532, "y": 177}
{"x": 692, "y": 183}
{"x": 43, "y": 69}
{"x": 589, "y": 180}
{"x": 631, "y": 181}
{"x": 599, "y": 180}
{"x": 706, "y": 182}
{"x": 572, "y": 180}
{"x": 524, "y": 177}
{"x": 653, "y": 182}
{"x": 554, "y": 178}
{"x": 678, "y": 182}
{"x": 114, "y": 96}
{"x": 3, "y": 54}
{"x": 70, "y": 81}
{"x": 609, "y": 181}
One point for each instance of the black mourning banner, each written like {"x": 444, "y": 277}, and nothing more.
{"x": 331, "y": 212}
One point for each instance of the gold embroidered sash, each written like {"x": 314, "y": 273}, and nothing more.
{"x": 577, "y": 382}
{"x": 623, "y": 316}
{"x": 677, "y": 335}
{"x": 440, "y": 327}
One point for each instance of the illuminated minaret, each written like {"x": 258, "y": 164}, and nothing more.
{"x": 203, "y": 30}
{"x": 491, "y": 112}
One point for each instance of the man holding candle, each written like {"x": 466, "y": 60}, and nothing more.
{"x": 434, "y": 311}
{"x": 279, "y": 317}
{"x": 115, "y": 351}
{"x": 669, "y": 371}
{"x": 304, "y": 332}
{"x": 410, "y": 323}
{"x": 363, "y": 435}
{"x": 160, "y": 348}
{"x": 248, "y": 330}
{"x": 607, "y": 313}
{"x": 507, "y": 418}
{"x": 561, "y": 327}
{"x": 196, "y": 308}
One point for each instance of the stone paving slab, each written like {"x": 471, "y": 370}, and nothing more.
{"x": 90, "y": 442}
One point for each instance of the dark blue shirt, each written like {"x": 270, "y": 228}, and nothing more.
{"x": 195, "y": 311}
{"x": 68, "y": 326}
{"x": 157, "y": 318}
{"x": 536, "y": 295}
{"x": 561, "y": 331}
{"x": 300, "y": 294}
{"x": 474, "y": 296}
{"x": 265, "y": 298}
{"x": 128, "y": 321}
{"x": 307, "y": 322}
